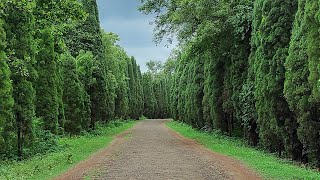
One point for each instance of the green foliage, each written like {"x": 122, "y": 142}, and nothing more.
{"x": 7, "y": 135}
{"x": 273, "y": 114}
{"x": 51, "y": 20}
{"x": 156, "y": 87}
{"x": 149, "y": 98}
{"x": 116, "y": 60}
{"x": 246, "y": 68}
{"x": 44, "y": 141}
{"x": 301, "y": 89}
{"x": 85, "y": 68}
{"x": 21, "y": 50}
{"x": 46, "y": 84}
{"x": 86, "y": 35}
{"x": 59, "y": 74}
{"x": 74, "y": 97}
{"x": 135, "y": 89}
{"x": 61, "y": 116}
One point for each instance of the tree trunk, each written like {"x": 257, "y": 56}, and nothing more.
{"x": 20, "y": 137}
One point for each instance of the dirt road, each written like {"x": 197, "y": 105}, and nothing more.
{"x": 150, "y": 151}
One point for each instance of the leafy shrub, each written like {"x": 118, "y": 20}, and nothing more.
{"x": 44, "y": 141}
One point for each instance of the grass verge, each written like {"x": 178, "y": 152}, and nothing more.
{"x": 75, "y": 150}
{"x": 265, "y": 164}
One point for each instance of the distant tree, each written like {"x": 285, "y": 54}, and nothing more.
{"x": 134, "y": 94}
{"x": 149, "y": 97}
{"x": 154, "y": 67}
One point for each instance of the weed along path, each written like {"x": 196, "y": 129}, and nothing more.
{"x": 151, "y": 151}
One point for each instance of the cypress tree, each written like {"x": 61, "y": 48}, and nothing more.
{"x": 122, "y": 99}
{"x": 174, "y": 91}
{"x": 47, "y": 104}
{"x": 139, "y": 91}
{"x": 111, "y": 95}
{"x": 182, "y": 83}
{"x": 164, "y": 94}
{"x": 149, "y": 97}
{"x": 157, "y": 91}
{"x": 133, "y": 90}
{"x": 274, "y": 37}
{"x": 301, "y": 78}
{"x": 217, "y": 72}
{"x": 21, "y": 50}
{"x": 73, "y": 96}
{"x": 240, "y": 26}
{"x": 7, "y": 130}
{"x": 126, "y": 84}
{"x": 207, "y": 91}
{"x": 198, "y": 83}
{"x": 52, "y": 19}
{"x": 247, "y": 95}
{"x": 121, "y": 102}
{"x": 85, "y": 67}
{"x": 115, "y": 58}
{"x": 61, "y": 116}
{"x": 87, "y": 36}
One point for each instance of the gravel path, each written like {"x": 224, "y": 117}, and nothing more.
{"x": 150, "y": 151}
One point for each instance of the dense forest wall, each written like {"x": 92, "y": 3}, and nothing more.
{"x": 245, "y": 68}
{"x": 60, "y": 74}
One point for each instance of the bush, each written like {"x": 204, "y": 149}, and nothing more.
{"x": 44, "y": 141}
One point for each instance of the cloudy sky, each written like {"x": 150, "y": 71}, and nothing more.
{"x": 134, "y": 29}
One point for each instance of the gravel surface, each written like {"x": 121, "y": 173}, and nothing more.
{"x": 151, "y": 151}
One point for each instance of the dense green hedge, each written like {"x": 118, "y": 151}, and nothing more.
{"x": 59, "y": 75}
{"x": 246, "y": 68}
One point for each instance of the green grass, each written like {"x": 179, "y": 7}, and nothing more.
{"x": 265, "y": 164}
{"x": 76, "y": 149}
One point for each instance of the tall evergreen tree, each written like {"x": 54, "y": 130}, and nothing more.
{"x": 87, "y": 36}
{"x": 20, "y": 49}
{"x": 301, "y": 75}
{"x": 85, "y": 68}
{"x": 60, "y": 78}
{"x": 274, "y": 37}
{"x": 7, "y": 129}
{"x": 47, "y": 104}
{"x": 247, "y": 97}
{"x": 115, "y": 58}
{"x": 74, "y": 96}
{"x": 149, "y": 98}
{"x": 140, "y": 97}
{"x": 52, "y": 19}
{"x": 133, "y": 89}
{"x": 240, "y": 26}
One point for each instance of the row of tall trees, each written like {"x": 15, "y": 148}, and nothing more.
{"x": 59, "y": 74}
{"x": 246, "y": 68}
{"x": 155, "y": 89}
